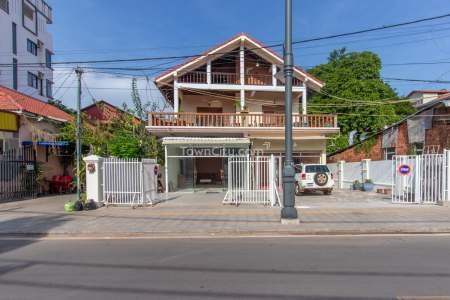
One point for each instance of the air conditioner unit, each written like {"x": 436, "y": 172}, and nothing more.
{"x": 40, "y": 44}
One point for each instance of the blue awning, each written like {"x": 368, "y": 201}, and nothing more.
{"x": 47, "y": 143}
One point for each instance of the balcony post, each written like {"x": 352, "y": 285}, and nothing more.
{"x": 208, "y": 72}
{"x": 304, "y": 99}
{"x": 274, "y": 72}
{"x": 242, "y": 72}
{"x": 175, "y": 95}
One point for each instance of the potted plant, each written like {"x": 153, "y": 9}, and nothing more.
{"x": 367, "y": 186}
{"x": 356, "y": 185}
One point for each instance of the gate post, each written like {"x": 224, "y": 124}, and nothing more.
{"x": 446, "y": 178}
{"x": 94, "y": 178}
{"x": 341, "y": 164}
{"x": 272, "y": 180}
{"x": 365, "y": 169}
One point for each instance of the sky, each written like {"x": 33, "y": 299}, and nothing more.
{"x": 111, "y": 29}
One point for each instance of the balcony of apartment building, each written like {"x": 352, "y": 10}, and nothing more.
{"x": 43, "y": 8}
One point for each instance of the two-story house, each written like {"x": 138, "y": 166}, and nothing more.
{"x": 230, "y": 101}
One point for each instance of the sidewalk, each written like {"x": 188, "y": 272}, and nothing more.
{"x": 204, "y": 215}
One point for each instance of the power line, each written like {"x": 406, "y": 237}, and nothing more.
{"x": 417, "y": 80}
{"x": 384, "y": 27}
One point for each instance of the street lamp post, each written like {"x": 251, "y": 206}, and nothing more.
{"x": 79, "y": 72}
{"x": 288, "y": 212}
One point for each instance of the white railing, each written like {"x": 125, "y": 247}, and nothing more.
{"x": 129, "y": 182}
{"x": 252, "y": 180}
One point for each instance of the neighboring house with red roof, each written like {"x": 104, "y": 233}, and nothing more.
{"x": 231, "y": 97}
{"x": 102, "y": 112}
{"x": 37, "y": 128}
{"x": 425, "y": 131}
{"x": 422, "y": 97}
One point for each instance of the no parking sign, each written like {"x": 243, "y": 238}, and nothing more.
{"x": 404, "y": 169}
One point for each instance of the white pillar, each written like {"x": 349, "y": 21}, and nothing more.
{"x": 94, "y": 178}
{"x": 446, "y": 178}
{"x": 274, "y": 72}
{"x": 166, "y": 169}
{"x": 323, "y": 158}
{"x": 304, "y": 99}
{"x": 208, "y": 72}
{"x": 242, "y": 72}
{"x": 176, "y": 100}
{"x": 341, "y": 164}
{"x": 365, "y": 169}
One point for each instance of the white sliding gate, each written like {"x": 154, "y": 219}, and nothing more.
{"x": 129, "y": 182}
{"x": 253, "y": 180}
{"x": 421, "y": 178}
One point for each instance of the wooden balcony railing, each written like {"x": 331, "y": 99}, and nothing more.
{"x": 244, "y": 120}
{"x": 231, "y": 78}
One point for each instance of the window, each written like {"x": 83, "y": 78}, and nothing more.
{"x": 32, "y": 80}
{"x": 14, "y": 73}
{"x": 416, "y": 148}
{"x": 32, "y": 47}
{"x": 14, "y": 38}
{"x": 388, "y": 153}
{"x": 49, "y": 88}
{"x": 48, "y": 58}
{"x": 2, "y": 146}
{"x": 4, "y": 5}
{"x": 28, "y": 11}
{"x": 40, "y": 86}
{"x": 316, "y": 169}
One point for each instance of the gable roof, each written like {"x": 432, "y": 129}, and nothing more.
{"x": 439, "y": 92}
{"x": 104, "y": 111}
{"x": 423, "y": 108}
{"x": 12, "y": 100}
{"x": 215, "y": 52}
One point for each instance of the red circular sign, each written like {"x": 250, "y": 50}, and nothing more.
{"x": 404, "y": 169}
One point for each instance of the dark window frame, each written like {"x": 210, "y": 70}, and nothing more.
{"x": 14, "y": 37}
{"x": 15, "y": 74}
{"x": 4, "y": 6}
{"x": 49, "y": 88}
{"x": 32, "y": 80}
{"x": 32, "y": 47}
{"x": 389, "y": 152}
{"x": 48, "y": 58}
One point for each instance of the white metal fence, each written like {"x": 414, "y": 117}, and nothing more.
{"x": 421, "y": 178}
{"x": 253, "y": 180}
{"x": 129, "y": 182}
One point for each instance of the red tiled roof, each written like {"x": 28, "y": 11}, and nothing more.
{"x": 243, "y": 34}
{"x": 12, "y": 100}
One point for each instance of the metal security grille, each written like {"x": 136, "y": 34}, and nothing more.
{"x": 252, "y": 180}
{"x": 18, "y": 174}
{"x": 129, "y": 182}
{"x": 420, "y": 178}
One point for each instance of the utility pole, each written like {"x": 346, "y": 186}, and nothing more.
{"x": 79, "y": 73}
{"x": 289, "y": 212}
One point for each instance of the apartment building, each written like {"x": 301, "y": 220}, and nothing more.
{"x": 230, "y": 102}
{"x": 26, "y": 47}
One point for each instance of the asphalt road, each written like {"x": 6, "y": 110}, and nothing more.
{"x": 243, "y": 268}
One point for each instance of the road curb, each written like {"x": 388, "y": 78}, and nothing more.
{"x": 234, "y": 234}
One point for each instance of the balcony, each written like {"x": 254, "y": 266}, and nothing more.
{"x": 237, "y": 122}
{"x": 231, "y": 79}
{"x": 44, "y": 9}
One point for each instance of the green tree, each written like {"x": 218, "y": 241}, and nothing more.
{"x": 355, "y": 91}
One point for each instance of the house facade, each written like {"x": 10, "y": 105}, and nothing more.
{"x": 229, "y": 101}
{"x": 420, "y": 98}
{"x": 26, "y": 47}
{"x": 425, "y": 131}
{"x": 29, "y": 125}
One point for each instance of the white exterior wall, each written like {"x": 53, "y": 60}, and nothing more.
{"x": 23, "y": 56}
